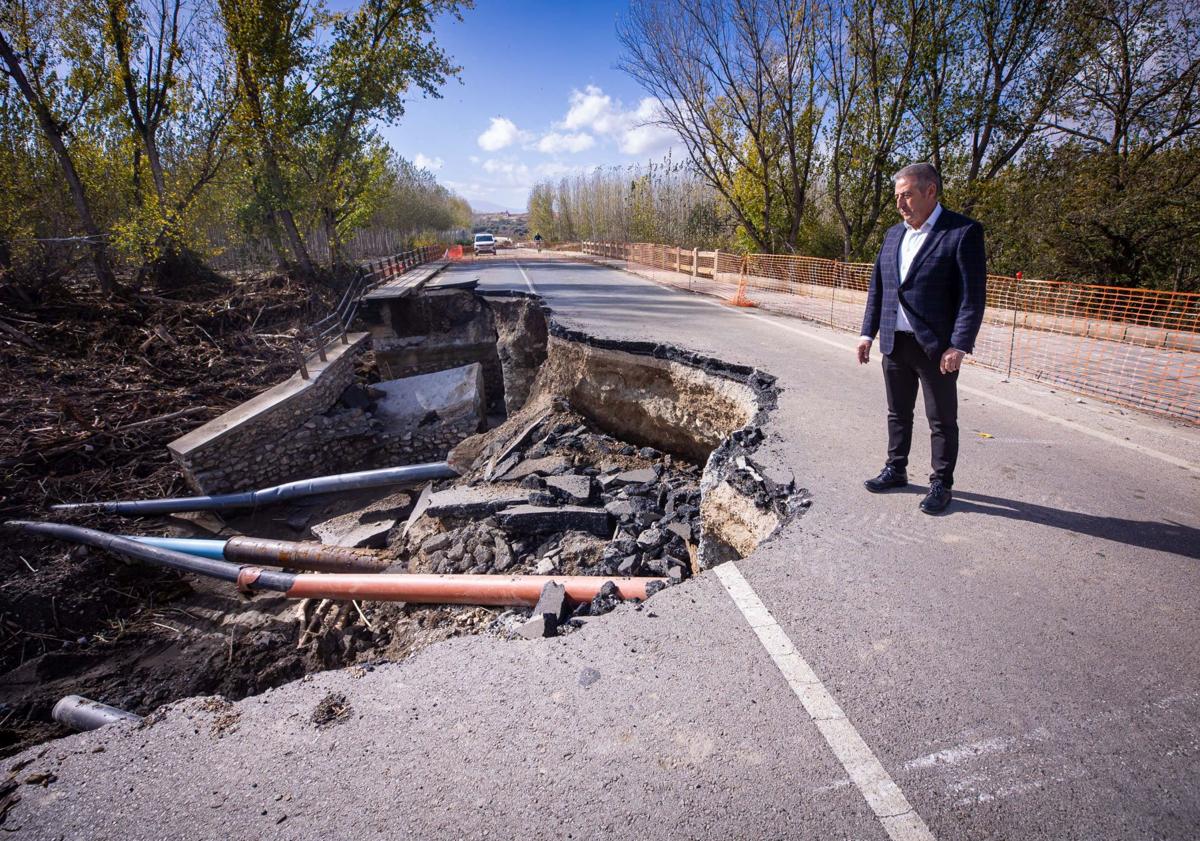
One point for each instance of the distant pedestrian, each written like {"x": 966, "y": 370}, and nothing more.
{"x": 926, "y": 301}
{"x": 537, "y": 238}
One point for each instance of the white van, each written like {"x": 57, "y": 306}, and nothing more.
{"x": 485, "y": 244}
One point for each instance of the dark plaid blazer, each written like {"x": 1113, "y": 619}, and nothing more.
{"x": 944, "y": 293}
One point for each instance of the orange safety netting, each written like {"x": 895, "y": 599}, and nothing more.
{"x": 1137, "y": 347}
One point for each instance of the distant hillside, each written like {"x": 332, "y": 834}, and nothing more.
{"x": 503, "y": 224}
{"x": 479, "y": 206}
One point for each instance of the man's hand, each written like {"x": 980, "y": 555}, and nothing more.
{"x": 951, "y": 360}
{"x": 864, "y": 351}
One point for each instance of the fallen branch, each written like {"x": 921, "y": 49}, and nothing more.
{"x": 14, "y": 333}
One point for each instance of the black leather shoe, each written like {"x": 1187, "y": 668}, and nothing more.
{"x": 938, "y": 498}
{"x": 887, "y": 479}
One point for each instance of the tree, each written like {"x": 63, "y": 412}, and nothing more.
{"x": 411, "y": 202}
{"x": 37, "y": 41}
{"x": 272, "y": 43}
{"x": 1132, "y": 115}
{"x": 990, "y": 72}
{"x": 735, "y": 80}
{"x": 381, "y": 51}
{"x": 872, "y": 49}
{"x": 172, "y": 79}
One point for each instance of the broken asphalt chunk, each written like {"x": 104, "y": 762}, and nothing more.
{"x": 550, "y": 610}
{"x": 571, "y": 488}
{"x": 474, "y": 502}
{"x": 635, "y": 477}
{"x": 536, "y": 519}
{"x": 531, "y": 466}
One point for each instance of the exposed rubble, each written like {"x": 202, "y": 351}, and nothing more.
{"x": 570, "y": 500}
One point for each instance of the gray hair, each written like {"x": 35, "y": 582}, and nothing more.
{"x": 922, "y": 174}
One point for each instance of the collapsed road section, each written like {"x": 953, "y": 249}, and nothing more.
{"x": 577, "y": 473}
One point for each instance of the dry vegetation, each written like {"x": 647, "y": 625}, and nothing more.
{"x": 94, "y": 389}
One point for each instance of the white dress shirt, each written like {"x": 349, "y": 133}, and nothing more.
{"x": 913, "y": 239}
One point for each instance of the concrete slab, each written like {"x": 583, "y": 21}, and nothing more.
{"x": 453, "y": 394}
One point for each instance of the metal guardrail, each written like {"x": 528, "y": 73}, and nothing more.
{"x": 316, "y": 337}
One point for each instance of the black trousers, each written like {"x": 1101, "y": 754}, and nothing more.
{"x": 906, "y": 367}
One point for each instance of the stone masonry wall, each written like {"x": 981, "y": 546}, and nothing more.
{"x": 304, "y": 434}
{"x": 250, "y": 447}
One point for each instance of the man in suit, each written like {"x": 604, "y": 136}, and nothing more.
{"x": 926, "y": 303}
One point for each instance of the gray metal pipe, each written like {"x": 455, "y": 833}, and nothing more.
{"x": 81, "y": 713}
{"x": 223, "y": 570}
{"x": 410, "y": 474}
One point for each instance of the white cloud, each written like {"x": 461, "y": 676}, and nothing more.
{"x": 509, "y": 168}
{"x": 645, "y": 135}
{"x": 635, "y": 130}
{"x": 502, "y": 133}
{"x": 555, "y": 143}
{"x": 431, "y": 164}
{"x": 594, "y": 109}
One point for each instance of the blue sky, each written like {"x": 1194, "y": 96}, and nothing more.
{"x": 540, "y": 96}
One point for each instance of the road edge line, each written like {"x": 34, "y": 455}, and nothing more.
{"x": 896, "y": 815}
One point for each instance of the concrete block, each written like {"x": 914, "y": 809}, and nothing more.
{"x": 451, "y": 396}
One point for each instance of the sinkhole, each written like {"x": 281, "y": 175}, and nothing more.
{"x": 578, "y": 456}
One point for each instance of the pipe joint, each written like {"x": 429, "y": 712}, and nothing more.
{"x": 247, "y": 577}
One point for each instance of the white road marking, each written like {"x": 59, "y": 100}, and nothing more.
{"x": 528, "y": 282}
{"x": 895, "y": 813}
{"x": 1011, "y": 404}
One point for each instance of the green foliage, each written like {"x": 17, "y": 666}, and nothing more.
{"x": 414, "y": 205}
{"x": 1059, "y": 216}
{"x": 193, "y": 125}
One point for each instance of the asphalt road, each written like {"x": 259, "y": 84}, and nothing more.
{"x": 1024, "y": 667}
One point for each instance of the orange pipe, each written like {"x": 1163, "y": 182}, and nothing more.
{"x": 493, "y": 590}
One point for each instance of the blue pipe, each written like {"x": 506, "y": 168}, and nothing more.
{"x": 214, "y": 549}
